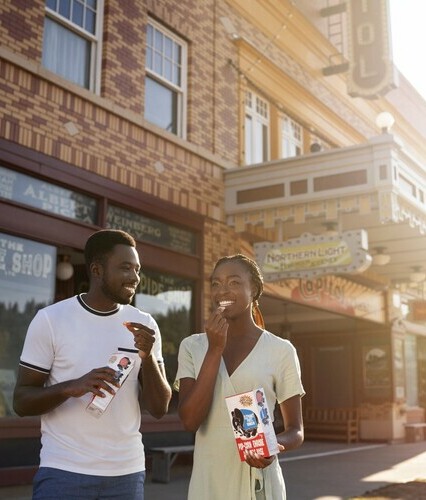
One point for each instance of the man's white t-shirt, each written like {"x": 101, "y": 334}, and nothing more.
{"x": 67, "y": 340}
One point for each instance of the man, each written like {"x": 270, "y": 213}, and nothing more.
{"x": 86, "y": 454}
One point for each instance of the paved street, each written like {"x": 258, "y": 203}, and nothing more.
{"x": 317, "y": 471}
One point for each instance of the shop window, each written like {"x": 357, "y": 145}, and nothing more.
{"x": 71, "y": 40}
{"x": 256, "y": 129}
{"x": 165, "y": 82}
{"x": 27, "y": 283}
{"x": 291, "y": 138}
{"x": 411, "y": 374}
{"x": 169, "y": 299}
{"x": 421, "y": 365}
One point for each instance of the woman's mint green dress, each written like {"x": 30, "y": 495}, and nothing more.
{"x": 218, "y": 473}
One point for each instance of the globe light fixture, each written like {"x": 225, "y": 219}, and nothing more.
{"x": 380, "y": 258}
{"x": 64, "y": 269}
{"x": 385, "y": 121}
{"x": 315, "y": 147}
{"x": 417, "y": 275}
{"x": 330, "y": 228}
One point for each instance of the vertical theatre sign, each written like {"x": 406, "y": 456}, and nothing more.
{"x": 371, "y": 70}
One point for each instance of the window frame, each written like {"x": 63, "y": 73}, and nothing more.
{"x": 95, "y": 41}
{"x": 252, "y": 103}
{"x": 290, "y": 139}
{"x": 180, "y": 90}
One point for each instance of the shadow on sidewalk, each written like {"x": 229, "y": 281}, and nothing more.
{"x": 318, "y": 470}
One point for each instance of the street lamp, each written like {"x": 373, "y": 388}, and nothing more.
{"x": 385, "y": 121}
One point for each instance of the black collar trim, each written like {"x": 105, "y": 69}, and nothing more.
{"x": 95, "y": 311}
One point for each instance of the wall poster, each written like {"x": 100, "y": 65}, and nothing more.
{"x": 376, "y": 362}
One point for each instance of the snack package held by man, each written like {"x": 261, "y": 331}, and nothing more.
{"x": 252, "y": 423}
{"x": 123, "y": 365}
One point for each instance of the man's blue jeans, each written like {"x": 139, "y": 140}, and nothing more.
{"x": 54, "y": 484}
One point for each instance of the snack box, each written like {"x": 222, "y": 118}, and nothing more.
{"x": 123, "y": 364}
{"x": 252, "y": 424}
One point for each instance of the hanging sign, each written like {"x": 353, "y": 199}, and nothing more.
{"x": 371, "y": 71}
{"x": 54, "y": 199}
{"x": 313, "y": 255}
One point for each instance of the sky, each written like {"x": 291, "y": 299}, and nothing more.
{"x": 408, "y": 28}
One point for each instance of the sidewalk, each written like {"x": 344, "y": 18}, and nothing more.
{"x": 330, "y": 471}
{"x": 317, "y": 471}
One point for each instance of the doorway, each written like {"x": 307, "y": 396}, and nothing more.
{"x": 332, "y": 377}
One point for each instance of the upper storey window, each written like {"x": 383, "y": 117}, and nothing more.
{"x": 256, "y": 129}
{"x": 71, "y": 40}
{"x": 291, "y": 138}
{"x": 165, "y": 83}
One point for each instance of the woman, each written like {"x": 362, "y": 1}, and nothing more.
{"x": 236, "y": 355}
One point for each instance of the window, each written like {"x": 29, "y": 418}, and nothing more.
{"x": 337, "y": 31}
{"x": 407, "y": 186}
{"x": 165, "y": 82}
{"x": 411, "y": 375}
{"x": 71, "y": 39}
{"x": 256, "y": 129}
{"x": 291, "y": 138}
{"x": 27, "y": 283}
{"x": 170, "y": 300}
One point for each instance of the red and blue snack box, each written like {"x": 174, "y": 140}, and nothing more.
{"x": 252, "y": 423}
{"x": 123, "y": 365}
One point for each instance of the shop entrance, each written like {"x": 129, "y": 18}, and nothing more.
{"x": 332, "y": 377}
{"x": 325, "y": 345}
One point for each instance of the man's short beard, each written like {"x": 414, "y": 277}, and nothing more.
{"x": 118, "y": 299}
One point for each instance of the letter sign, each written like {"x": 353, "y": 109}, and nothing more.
{"x": 371, "y": 70}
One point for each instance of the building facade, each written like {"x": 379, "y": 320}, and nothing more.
{"x": 205, "y": 128}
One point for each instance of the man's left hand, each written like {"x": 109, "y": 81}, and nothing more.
{"x": 144, "y": 337}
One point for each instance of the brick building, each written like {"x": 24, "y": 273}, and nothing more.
{"x": 152, "y": 116}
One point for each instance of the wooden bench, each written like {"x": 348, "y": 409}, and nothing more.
{"x": 163, "y": 458}
{"x": 340, "y": 424}
{"x": 415, "y": 432}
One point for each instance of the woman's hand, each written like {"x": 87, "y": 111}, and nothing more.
{"x": 217, "y": 329}
{"x": 253, "y": 459}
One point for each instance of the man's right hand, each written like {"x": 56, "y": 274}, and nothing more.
{"x": 94, "y": 381}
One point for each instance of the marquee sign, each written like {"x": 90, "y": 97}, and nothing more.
{"x": 371, "y": 71}
{"x": 314, "y": 255}
{"x": 335, "y": 294}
